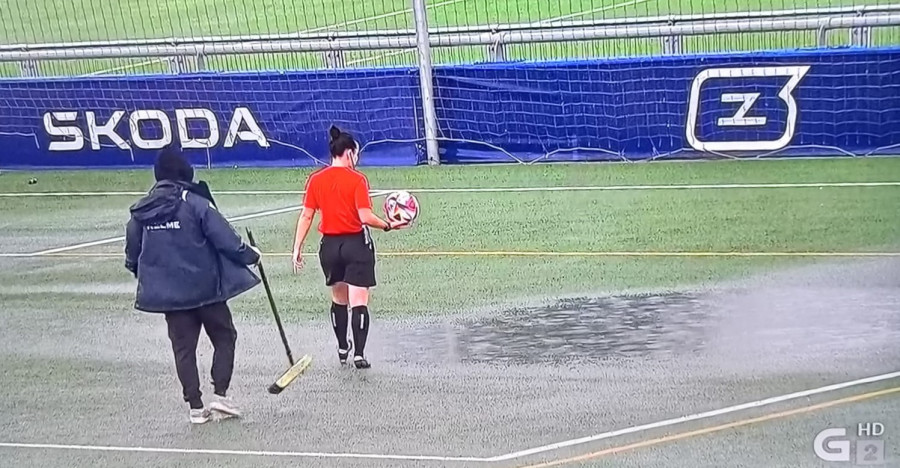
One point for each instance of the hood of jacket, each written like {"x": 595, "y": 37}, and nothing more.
{"x": 161, "y": 203}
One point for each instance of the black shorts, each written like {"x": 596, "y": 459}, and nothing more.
{"x": 348, "y": 258}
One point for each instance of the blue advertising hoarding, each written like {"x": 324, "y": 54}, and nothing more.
{"x": 785, "y": 103}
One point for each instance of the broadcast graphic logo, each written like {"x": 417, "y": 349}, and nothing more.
{"x": 833, "y": 445}
{"x": 743, "y": 117}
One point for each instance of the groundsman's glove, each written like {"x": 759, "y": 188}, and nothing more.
{"x": 259, "y": 259}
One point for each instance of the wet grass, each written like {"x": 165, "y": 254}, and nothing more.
{"x": 705, "y": 220}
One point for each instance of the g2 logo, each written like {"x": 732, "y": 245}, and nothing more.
{"x": 832, "y": 450}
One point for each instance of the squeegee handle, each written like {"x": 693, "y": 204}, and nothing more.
{"x": 262, "y": 274}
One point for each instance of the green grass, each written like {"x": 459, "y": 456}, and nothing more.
{"x": 93, "y": 20}
{"x": 87, "y": 20}
{"x": 861, "y": 219}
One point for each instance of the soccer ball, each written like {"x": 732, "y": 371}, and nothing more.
{"x": 401, "y": 206}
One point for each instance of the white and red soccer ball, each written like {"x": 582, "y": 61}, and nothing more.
{"x": 401, "y": 206}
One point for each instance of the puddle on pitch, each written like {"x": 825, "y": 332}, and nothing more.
{"x": 587, "y": 329}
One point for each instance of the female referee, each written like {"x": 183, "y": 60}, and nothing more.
{"x": 346, "y": 252}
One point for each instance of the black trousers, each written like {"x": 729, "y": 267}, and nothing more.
{"x": 184, "y": 333}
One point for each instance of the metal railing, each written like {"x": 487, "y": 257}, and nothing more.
{"x": 823, "y": 19}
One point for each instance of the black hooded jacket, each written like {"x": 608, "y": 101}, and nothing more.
{"x": 184, "y": 253}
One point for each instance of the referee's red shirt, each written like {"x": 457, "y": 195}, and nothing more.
{"x": 338, "y": 192}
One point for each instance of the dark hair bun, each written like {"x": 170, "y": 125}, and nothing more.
{"x": 340, "y": 141}
{"x": 334, "y": 132}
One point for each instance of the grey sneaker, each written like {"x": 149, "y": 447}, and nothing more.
{"x": 225, "y": 406}
{"x": 199, "y": 416}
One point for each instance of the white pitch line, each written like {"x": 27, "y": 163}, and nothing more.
{"x": 492, "y": 189}
{"x": 124, "y": 67}
{"x": 376, "y": 17}
{"x": 121, "y": 238}
{"x": 258, "y": 453}
{"x": 498, "y": 458}
{"x": 380, "y": 56}
{"x": 693, "y": 417}
{"x": 68, "y": 194}
{"x": 595, "y": 10}
{"x": 306, "y": 31}
{"x": 459, "y": 253}
{"x": 651, "y": 187}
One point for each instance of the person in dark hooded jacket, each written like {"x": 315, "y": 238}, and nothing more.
{"x": 189, "y": 261}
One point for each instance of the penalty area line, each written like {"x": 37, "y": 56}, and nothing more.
{"x": 111, "y": 240}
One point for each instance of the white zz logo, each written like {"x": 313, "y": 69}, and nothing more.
{"x": 740, "y": 119}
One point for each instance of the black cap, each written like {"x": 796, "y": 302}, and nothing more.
{"x": 172, "y": 165}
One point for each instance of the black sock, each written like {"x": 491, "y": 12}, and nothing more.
{"x": 360, "y": 329}
{"x": 339, "y": 321}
